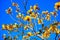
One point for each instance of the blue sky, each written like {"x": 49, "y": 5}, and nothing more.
{"x": 43, "y": 5}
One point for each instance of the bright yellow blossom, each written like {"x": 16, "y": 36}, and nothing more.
{"x": 29, "y": 34}
{"x": 46, "y": 34}
{"x": 27, "y": 18}
{"x": 57, "y": 6}
{"x": 39, "y": 21}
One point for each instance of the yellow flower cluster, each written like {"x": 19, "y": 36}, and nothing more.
{"x": 33, "y": 15}
{"x": 9, "y": 27}
{"x": 28, "y": 35}
{"x": 46, "y": 34}
{"x": 57, "y": 6}
{"x": 32, "y": 11}
{"x": 53, "y": 28}
{"x": 47, "y": 15}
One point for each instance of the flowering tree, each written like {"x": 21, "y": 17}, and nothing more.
{"x": 28, "y": 21}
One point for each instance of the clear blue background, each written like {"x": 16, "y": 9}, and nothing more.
{"x": 43, "y": 5}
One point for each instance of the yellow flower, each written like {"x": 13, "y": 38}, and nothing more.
{"x": 53, "y": 28}
{"x": 9, "y": 10}
{"x": 20, "y": 16}
{"x": 27, "y": 18}
{"x": 39, "y": 21}
{"x": 46, "y": 34}
{"x": 54, "y": 13}
{"x": 10, "y": 27}
{"x": 5, "y": 27}
{"x": 47, "y": 17}
{"x": 15, "y": 25}
{"x": 58, "y": 31}
{"x": 29, "y": 34}
{"x": 45, "y": 12}
{"x": 14, "y": 4}
{"x": 29, "y": 12}
{"x": 33, "y": 15}
{"x": 35, "y": 7}
{"x": 57, "y": 6}
{"x": 47, "y": 29}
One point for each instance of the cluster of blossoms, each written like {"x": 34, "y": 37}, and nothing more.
{"x": 32, "y": 15}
